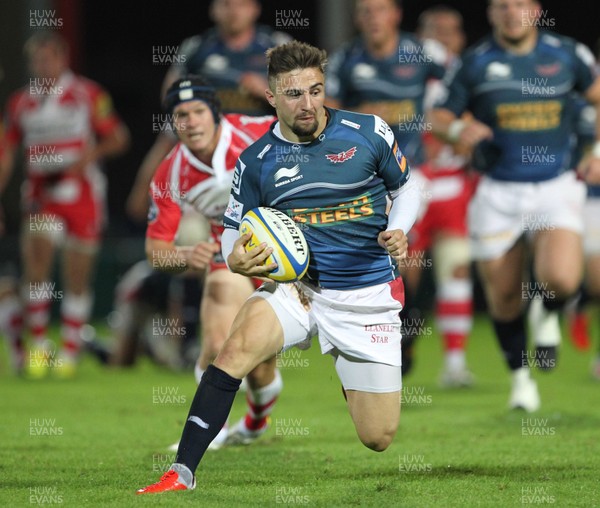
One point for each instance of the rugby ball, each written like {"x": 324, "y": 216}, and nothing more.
{"x": 277, "y": 230}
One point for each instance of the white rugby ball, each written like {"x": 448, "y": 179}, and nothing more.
{"x": 277, "y": 230}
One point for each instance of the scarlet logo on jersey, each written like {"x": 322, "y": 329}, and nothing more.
{"x": 342, "y": 156}
{"x": 400, "y": 158}
{"x": 548, "y": 70}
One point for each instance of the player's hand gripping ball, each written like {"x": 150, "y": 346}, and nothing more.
{"x": 278, "y": 231}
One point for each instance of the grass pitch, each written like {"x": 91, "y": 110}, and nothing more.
{"x": 94, "y": 440}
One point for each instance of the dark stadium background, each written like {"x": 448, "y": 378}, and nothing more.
{"x": 112, "y": 43}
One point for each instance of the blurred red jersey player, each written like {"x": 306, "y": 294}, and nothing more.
{"x": 198, "y": 174}
{"x": 66, "y": 125}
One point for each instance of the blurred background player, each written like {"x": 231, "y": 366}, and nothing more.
{"x": 524, "y": 195}
{"x": 66, "y": 125}
{"x": 231, "y": 56}
{"x": 386, "y": 72}
{"x": 198, "y": 172}
{"x": 11, "y": 321}
{"x": 442, "y": 229}
{"x": 584, "y": 135}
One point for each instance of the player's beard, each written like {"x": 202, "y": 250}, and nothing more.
{"x": 303, "y": 131}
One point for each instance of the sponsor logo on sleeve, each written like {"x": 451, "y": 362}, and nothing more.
{"x": 349, "y": 123}
{"x": 263, "y": 151}
{"x": 383, "y": 129}
{"x": 400, "y": 158}
{"x": 234, "y": 210}
{"x": 237, "y": 176}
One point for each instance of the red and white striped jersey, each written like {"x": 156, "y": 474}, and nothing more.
{"x": 56, "y": 120}
{"x": 183, "y": 180}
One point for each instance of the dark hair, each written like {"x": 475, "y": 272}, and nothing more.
{"x": 294, "y": 55}
{"x": 40, "y": 39}
{"x": 437, "y": 9}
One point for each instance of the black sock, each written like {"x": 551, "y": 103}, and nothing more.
{"x": 209, "y": 412}
{"x": 552, "y": 304}
{"x": 513, "y": 341}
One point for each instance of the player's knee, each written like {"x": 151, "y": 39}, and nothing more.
{"x": 505, "y": 304}
{"x": 239, "y": 353}
{"x": 262, "y": 374}
{"x": 564, "y": 286}
{"x": 378, "y": 442}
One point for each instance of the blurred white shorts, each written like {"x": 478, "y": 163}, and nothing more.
{"x": 501, "y": 212}
{"x": 591, "y": 218}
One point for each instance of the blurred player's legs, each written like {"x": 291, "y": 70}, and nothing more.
{"x": 69, "y": 213}
{"x": 502, "y": 216}
{"x": 501, "y": 279}
{"x": 454, "y": 306}
{"x": 37, "y": 292}
{"x": 591, "y": 244}
{"x": 76, "y": 306}
{"x": 554, "y": 250}
{"x": 11, "y": 322}
{"x": 442, "y": 230}
{"x": 593, "y": 288}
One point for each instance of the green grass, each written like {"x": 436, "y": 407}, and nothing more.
{"x": 454, "y": 448}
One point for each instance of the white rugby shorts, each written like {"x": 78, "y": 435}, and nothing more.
{"x": 501, "y": 212}
{"x": 360, "y": 328}
{"x": 591, "y": 218}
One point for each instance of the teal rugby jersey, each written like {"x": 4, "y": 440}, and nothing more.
{"x": 355, "y": 77}
{"x": 526, "y": 100}
{"x": 209, "y": 56}
{"x": 334, "y": 188}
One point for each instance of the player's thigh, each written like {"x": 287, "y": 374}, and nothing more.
{"x": 411, "y": 271}
{"x": 452, "y": 256}
{"x": 373, "y": 394}
{"x": 223, "y": 295}
{"x": 558, "y": 260}
{"x": 593, "y": 275}
{"x": 256, "y": 335}
{"x": 502, "y": 279}
{"x": 38, "y": 255}
{"x": 79, "y": 258}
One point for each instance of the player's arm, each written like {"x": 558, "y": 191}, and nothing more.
{"x": 7, "y": 164}
{"x": 137, "y": 201}
{"x": 589, "y": 168}
{"x": 445, "y": 119}
{"x": 112, "y": 136}
{"x": 467, "y": 132}
{"x": 245, "y": 195}
{"x": 165, "y": 256}
{"x": 11, "y": 140}
{"x": 395, "y": 172}
{"x": 163, "y": 222}
{"x": 114, "y": 143}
